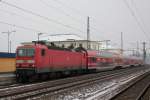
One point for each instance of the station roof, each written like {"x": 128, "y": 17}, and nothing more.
{"x": 61, "y": 37}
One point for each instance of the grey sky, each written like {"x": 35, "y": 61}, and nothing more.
{"x": 108, "y": 18}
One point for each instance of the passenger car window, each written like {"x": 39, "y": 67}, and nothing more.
{"x": 93, "y": 59}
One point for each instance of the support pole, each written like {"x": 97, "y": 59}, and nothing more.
{"x": 144, "y": 52}
{"x": 121, "y": 43}
{"x": 8, "y": 40}
{"x": 88, "y": 34}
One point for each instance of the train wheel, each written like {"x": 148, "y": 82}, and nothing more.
{"x": 25, "y": 79}
{"x": 22, "y": 78}
{"x": 18, "y": 79}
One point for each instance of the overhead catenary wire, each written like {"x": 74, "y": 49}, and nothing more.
{"x": 137, "y": 12}
{"x": 78, "y": 12}
{"x": 60, "y": 11}
{"x": 73, "y": 9}
{"x": 139, "y": 15}
{"x": 50, "y": 6}
{"x": 16, "y": 14}
{"x": 31, "y": 29}
{"x": 43, "y": 17}
{"x": 136, "y": 19}
{"x": 22, "y": 27}
{"x": 21, "y": 16}
{"x": 63, "y": 12}
{"x": 67, "y": 6}
{"x": 38, "y": 15}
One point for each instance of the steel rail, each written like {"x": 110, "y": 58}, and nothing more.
{"x": 134, "y": 90}
{"x": 27, "y": 90}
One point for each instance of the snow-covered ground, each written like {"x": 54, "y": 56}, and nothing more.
{"x": 99, "y": 91}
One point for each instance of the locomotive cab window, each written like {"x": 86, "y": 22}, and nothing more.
{"x": 43, "y": 52}
{"x": 26, "y": 52}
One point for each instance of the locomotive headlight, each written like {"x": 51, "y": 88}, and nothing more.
{"x": 30, "y": 61}
{"x": 19, "y": 61}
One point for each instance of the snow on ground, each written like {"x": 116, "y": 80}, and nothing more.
{"x": 103, "y": 90}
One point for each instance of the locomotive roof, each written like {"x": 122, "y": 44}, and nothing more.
{"x": 50, "y": 45}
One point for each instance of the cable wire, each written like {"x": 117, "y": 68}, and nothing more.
{"x": 22, "y": 17}
{"x": 60, "y": 10}
{"x": 136, "y": 19}
{"x": 22, "y": 27}
{"x": 38, "y": 15}
{"x": 137, "y": 12}
{"x": 77, "y": 11}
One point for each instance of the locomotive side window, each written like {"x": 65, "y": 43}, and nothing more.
{"x": 43, "y": 52}
{"x": 94, "y": 59}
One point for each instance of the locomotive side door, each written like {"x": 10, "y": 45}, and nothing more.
{"x": 43, "y": 59}
{"x": 84, "y": 61}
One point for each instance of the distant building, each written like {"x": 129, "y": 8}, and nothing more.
{"x": 66, "y": 40}
{"x": 61, "y": 37}
{"x": 93, "y": 44}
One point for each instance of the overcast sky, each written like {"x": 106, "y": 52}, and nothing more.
{"x": 108, "y": 18}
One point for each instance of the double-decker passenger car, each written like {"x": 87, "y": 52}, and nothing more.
{"x": 106, "y": 60}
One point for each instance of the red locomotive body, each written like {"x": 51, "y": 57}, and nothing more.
{"x": 37, "y": 59}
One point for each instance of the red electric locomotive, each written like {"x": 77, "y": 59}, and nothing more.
{"x": 39, "y": 58}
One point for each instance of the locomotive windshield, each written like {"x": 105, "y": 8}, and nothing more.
{"x": 26, "y": 52}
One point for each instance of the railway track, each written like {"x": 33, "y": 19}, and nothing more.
{"x": 7, "y": 80}
{"x": 146, "y": 94}
{"x": 98, "y": 90}
{"x": 53, "y": 87}
{"x": 10, "y": 85}
{"x": 138, "y": 89}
